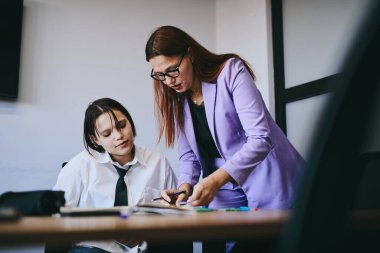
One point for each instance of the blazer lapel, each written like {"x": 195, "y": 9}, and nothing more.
{"x": 189, "y": 129}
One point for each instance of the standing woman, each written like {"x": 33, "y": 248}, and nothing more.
{"x": 210, "y": 105}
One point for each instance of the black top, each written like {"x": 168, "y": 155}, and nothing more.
{"x": 203, "y": 135}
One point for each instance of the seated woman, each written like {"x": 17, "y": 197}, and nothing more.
{"x": 112, "y": 171}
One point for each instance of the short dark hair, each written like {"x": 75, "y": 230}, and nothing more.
{"x": 93, "y": 111}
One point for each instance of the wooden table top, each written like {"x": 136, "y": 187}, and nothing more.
{"x": 202, "y": 226}
{"x": 252, "y": 225}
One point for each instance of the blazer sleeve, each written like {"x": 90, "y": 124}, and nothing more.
{"x": 252, "y": 113}
{"x": 189, "y": 166}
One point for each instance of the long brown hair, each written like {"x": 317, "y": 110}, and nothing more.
{"x": 171, "y": 41}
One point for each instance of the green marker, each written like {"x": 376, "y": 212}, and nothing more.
{"x": 203, "y": 209}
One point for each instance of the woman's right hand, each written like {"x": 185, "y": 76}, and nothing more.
{"x": 168, "y": 200}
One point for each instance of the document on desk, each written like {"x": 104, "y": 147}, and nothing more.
{"x": 108, "y": 211}
{"x": 157, "y": 208}
{"x": 125, "y": 211}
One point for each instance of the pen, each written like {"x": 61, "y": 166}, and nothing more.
{"x": 173, "y": 194}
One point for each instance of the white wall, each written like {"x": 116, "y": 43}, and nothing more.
{"x": 317, "y": 35}
{"x": 244, "y": 27}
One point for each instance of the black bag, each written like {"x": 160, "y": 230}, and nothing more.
{"x": 33, "y": 203}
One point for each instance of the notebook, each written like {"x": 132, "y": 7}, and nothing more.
{"x": 141, "y": 208}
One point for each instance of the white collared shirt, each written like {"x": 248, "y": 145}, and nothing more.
{"x": 90, "y": 181}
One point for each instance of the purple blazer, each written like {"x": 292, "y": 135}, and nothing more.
{"x": 257, "y": 154}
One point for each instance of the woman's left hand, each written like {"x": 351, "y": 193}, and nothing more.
{"x": 205, "y": 191}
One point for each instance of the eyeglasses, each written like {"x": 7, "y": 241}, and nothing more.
{"x": 161, "y": 76}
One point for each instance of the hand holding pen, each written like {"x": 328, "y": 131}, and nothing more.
{"x": 171, "y": 195}
{"x": 177, "y": 196}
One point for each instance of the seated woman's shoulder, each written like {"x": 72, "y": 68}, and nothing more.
{"x": 82, "y": 157}
{"x": 147, "y": 153}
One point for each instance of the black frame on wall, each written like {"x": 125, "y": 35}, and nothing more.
{"x": 302, "y": 91}
{"x": 11, "y": 14}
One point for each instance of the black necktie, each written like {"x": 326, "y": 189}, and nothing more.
{"x": 121, "y": 192}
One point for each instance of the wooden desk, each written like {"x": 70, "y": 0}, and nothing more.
{"x": 253, "y": 226}
{"x": 259, "y": 225}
